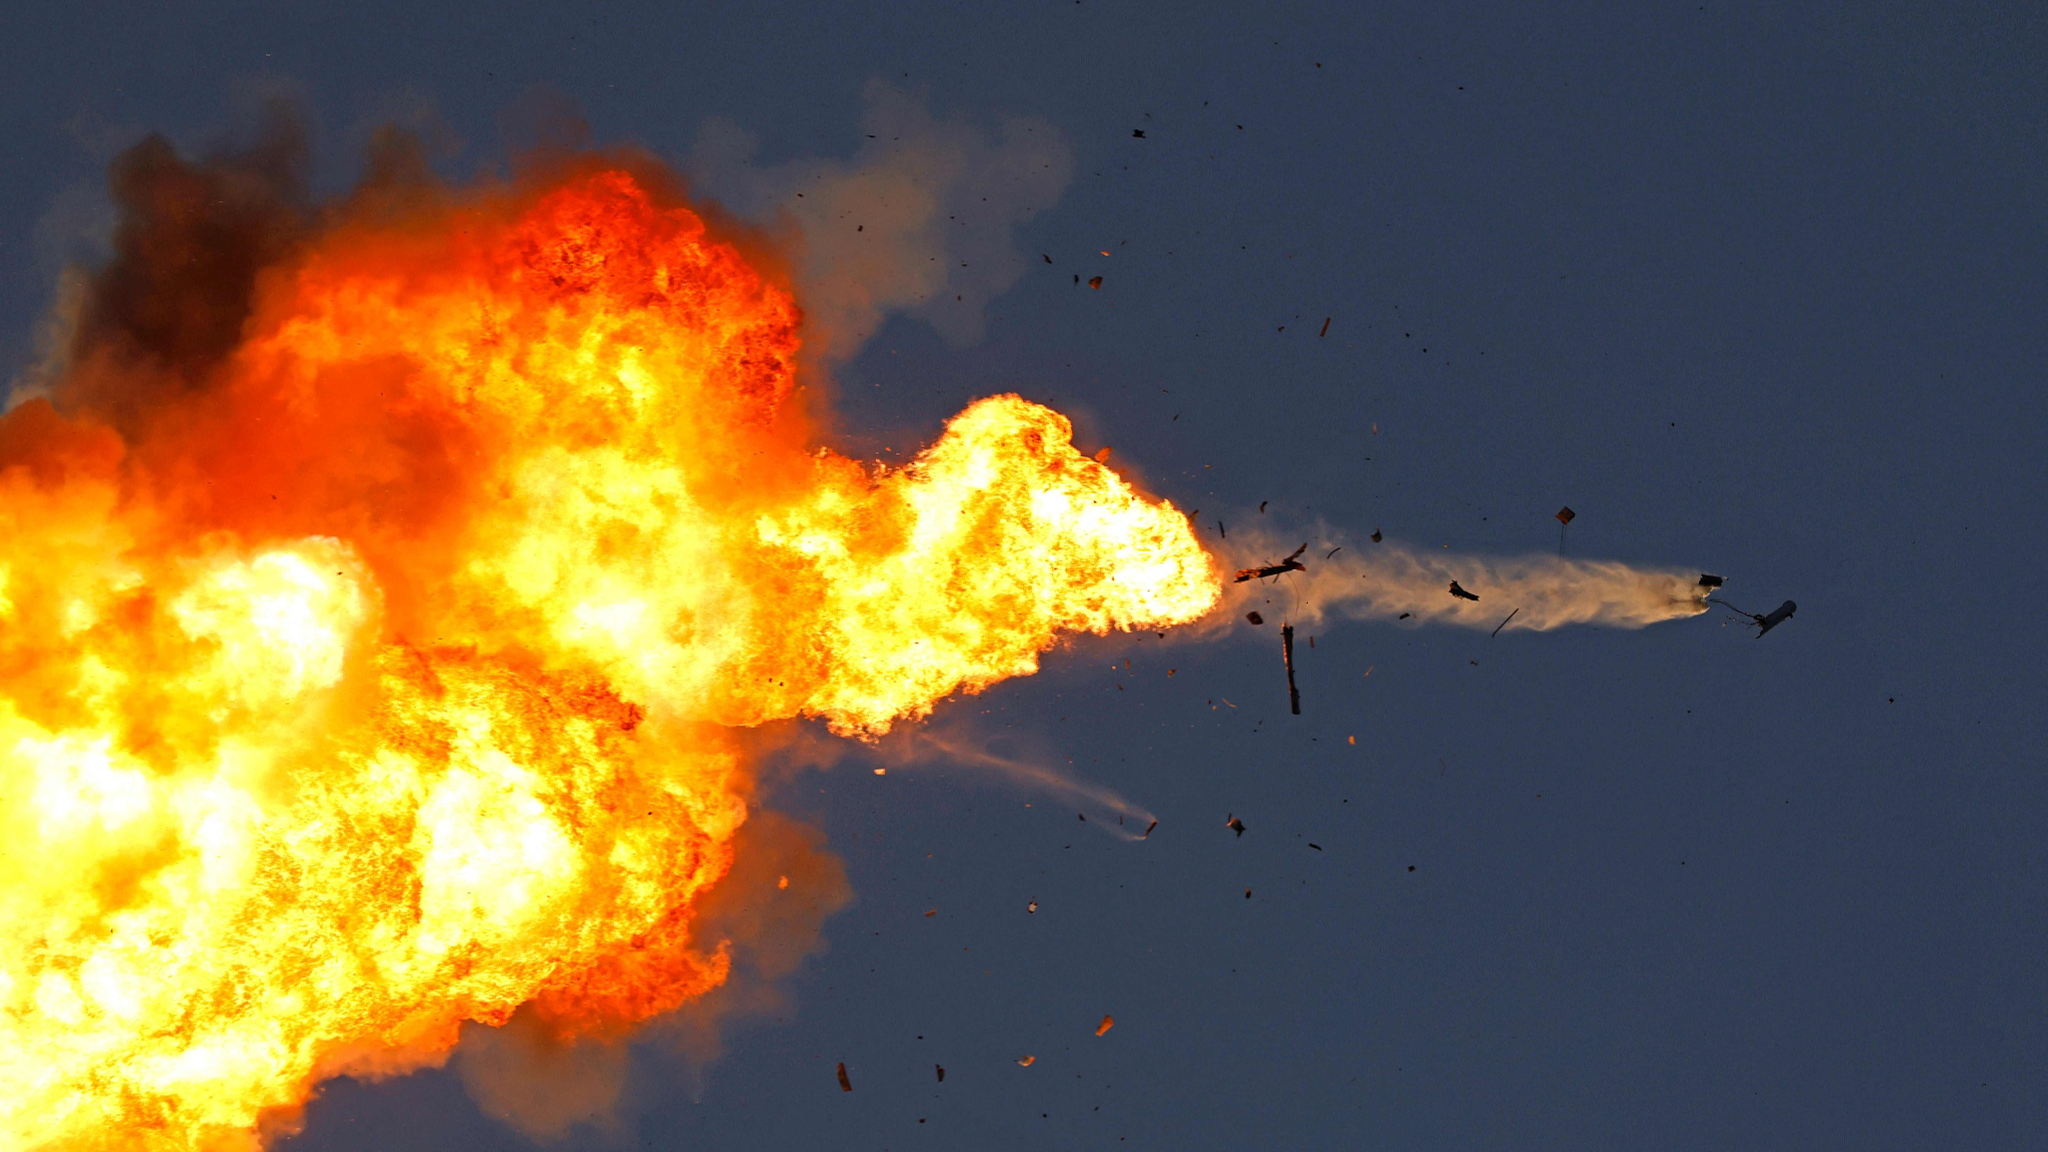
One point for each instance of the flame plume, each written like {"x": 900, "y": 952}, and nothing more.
{"x": 376, "y": 605}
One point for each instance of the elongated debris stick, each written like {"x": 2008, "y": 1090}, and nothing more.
{"x": 1287, "y": 657}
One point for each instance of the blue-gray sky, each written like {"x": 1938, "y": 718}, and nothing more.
{"x": 1760, "y": 291}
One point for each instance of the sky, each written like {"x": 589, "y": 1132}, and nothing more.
{"x": 1754, "y": 291}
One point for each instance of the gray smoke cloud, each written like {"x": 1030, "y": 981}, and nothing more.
{"x": 920, "y": 220}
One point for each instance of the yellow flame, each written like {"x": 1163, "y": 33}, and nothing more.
{"x": 382, "y": 682}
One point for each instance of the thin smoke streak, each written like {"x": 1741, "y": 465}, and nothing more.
{"x": 925, "y": 749}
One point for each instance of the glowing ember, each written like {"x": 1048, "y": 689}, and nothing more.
{"x": 368, "y": 670}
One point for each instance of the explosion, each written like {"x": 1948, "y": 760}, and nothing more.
{"x": 381, "y": 590}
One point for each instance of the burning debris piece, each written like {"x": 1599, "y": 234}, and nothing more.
{"x": 1255, "y": 618}
{"x": 1027, "y": 1061}
{"x": 1148, "y": 830}
{"x": 845, "y": 1085}
{"x": 1031, "y": 907}
{"x": 1291, "y": 564}
{"x": 1708, "y": 580}
{"x": 941, "y": 1070}
{"x": 1460, "y": 592}
{"x": 1287, "y": 658}
{"x": 1235, "y": 825}
{"x": 1108, "y": 1022}
{"x": 1566, "y": 515}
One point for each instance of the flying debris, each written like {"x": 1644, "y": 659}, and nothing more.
{"x": 941, "y": 1070}
{"x": 1565, "y": 515}
{"x": 1235, "y": 825}
{"x": 1026, "y": 1062}
{"x": 1148, "y": 829}
{"x": 1255, "y": 618}
{"x": 1762, "y": 622}
{"x": 1108, "y": 1022}
{"x": 1291, "y": 564}
{"x": 1708, "y": 580}
{"x": 845, "y": 1085}
{"x": 1460, "y": 592}
{"x": 1376, "y": 537}
{"x": 1287, "y": 658}
{"x": 1778, "y": 616}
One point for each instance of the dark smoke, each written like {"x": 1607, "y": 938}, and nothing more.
{"x": 192, "y": 239}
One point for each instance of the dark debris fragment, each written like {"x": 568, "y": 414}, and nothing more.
{"x": 1287, "y": 658}
{"x": 1291, "y": 564}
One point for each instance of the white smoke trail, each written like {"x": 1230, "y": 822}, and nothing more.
{"x": 1532, "y": 593}
{"x": 1110, "y": 811}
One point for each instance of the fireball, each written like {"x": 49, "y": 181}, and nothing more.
{"x": 371, "y": 659}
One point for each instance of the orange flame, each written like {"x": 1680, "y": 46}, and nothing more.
{"x": 375, "y": 671}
